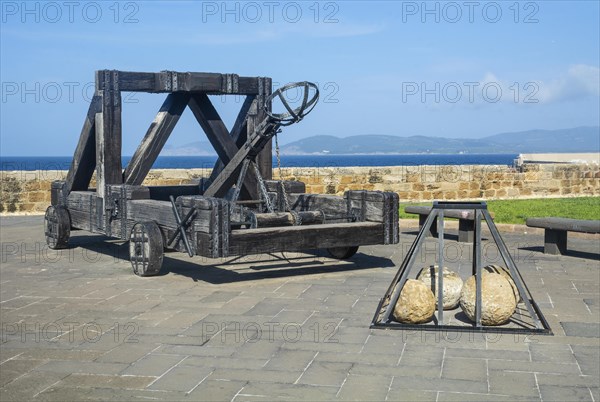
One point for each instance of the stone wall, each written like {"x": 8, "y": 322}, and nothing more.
{"x": 29, "y": 191}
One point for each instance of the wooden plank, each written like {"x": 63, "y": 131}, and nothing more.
{"x": 57, "y": 196}
{"x": 202, "y": 221}
{"x": 172, "y": 81}
{"x": 449, "y": 213}
{"x": 261, "y": 220}
{"x": 272, "y": 219}
{"x": 128, "y": 81}
{"x": 331, "y": 205}
{"x": 291, "y": 186}
{"x": 131, "y": 192}
{"x": 219, "y": 84}
{"x": 212, "y": 124}
{"x": 155, "y": 138}
{"x": 219, "y": 137}
{"x": 555, "y": 241}
{"x": 161, "y": 212}
{"x": 82, "y": 209}
{"x": 248, "y": 85}
{"x": 162, "y": 193}
{"x": 152, "y": 210}
{"x": 366, "y": 195}
{"x": 84, "y": 159}
{"x": 572, "y": 225}
{"x": 80, "y": 220}
{"x": 203, "y": 243}
{"x": 196, "y": 201}
{"x": 391, "y": 224}
{"x": 108, "y": 137}
{"x": 80, "y": 200}
{"x": 108, "y": 148}
{"x": 363, "y": 209}
{"x": 238, "y": 133}
{"x": 265, "y": 240}
{"x": 229, "y": 174}
{"x": 208, "y": 82}
{"x": 265, "y": 157}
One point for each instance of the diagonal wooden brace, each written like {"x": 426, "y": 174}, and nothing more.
{"x": 182, "y": 225}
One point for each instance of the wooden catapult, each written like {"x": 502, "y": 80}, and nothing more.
{"x": 238, "y": 210}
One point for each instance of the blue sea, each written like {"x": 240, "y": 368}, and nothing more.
{"x": 190, "y": 162}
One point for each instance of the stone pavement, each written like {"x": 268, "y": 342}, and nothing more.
{"x": 77, "y": 324}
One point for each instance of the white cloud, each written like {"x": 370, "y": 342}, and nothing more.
{"x": 580, "y": 81}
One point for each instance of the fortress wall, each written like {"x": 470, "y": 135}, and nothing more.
{"x": 29, "y": 191}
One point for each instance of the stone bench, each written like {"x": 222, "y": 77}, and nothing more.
{"x": 555, "y": 231}
{"x": 466, "y": 223}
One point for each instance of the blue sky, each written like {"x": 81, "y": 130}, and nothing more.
{"x": 451, "y": 69}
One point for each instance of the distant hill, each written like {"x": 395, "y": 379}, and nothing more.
{"x": 196, "y": 148}
{"x": 578, "y": 139}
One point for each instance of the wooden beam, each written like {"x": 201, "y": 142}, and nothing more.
{"x": 265, "y": 157}
{"x": 228, "y": 176}
{"x": 84, "y": 159}
{"x": 155, "y": 138}
{"x": 173, "y": 81}
{"x": 219, "y": 137}
{"x": 108, "y": 135}
{"x": 238, "y": 133}
{"x": 213, "y": 126}
{"x": 266, "y": 240}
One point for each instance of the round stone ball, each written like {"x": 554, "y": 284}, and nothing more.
{"x": 416, "y": 303}
{"x": 497, "y": 299}
{"x": 497, "y": 269}
{"x": 452, "y": 285}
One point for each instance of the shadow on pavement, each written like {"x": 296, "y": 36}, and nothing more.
{"x": 239, "y": 268}
{"x": 570, "y": 253}
{"x": 256, "y": 267}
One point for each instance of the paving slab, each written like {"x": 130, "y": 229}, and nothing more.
{"x": 76, "y": 324}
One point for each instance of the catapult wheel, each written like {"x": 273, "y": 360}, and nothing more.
{"x": 146, "y": 249}
{"x": 57, "y": 227}
{"x": 342, "y": 253}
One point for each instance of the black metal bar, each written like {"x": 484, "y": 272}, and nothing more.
{"x": 402, "y": 274}
{"x": 181, "y": 226}
{"x": 458, "y": 205}
{"x": 477, "y": 267}
{"x": 515, "y": 274}
{"x": 440, "y": 278}
{"x": 381, "y": 319}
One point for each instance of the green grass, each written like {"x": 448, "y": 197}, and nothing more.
{"x": 517, "y": 211}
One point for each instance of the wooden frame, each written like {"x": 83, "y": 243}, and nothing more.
{"x": 209, "y": 223}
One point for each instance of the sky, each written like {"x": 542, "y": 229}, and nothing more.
{"x": 463, "y": 69}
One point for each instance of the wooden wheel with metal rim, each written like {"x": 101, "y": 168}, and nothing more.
{"x": 57, "y": 227}
{"x": 342, "y": 253}
{"x": 146, "y": 249}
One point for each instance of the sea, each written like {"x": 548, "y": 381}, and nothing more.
{"x": 287, "y": 161}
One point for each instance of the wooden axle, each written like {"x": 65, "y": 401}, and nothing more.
{"x": 274, "y": 219}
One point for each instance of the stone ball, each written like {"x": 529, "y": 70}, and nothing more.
{"x": 497, "y": 269}
{"x": 497, "y": 299}
{"x": 452, "y": 285}
{"x": 416, "y": 303}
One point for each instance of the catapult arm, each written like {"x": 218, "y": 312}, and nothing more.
{"x": 262, "y": 134}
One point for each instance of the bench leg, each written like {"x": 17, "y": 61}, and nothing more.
{"x": 465, "y": 230}
{"x": 555, "y": 241}
{"x": 433, "y": 229}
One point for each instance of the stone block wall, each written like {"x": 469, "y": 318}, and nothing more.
{"x": 455, "y": 182}
{"x": 29, "y": 191}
